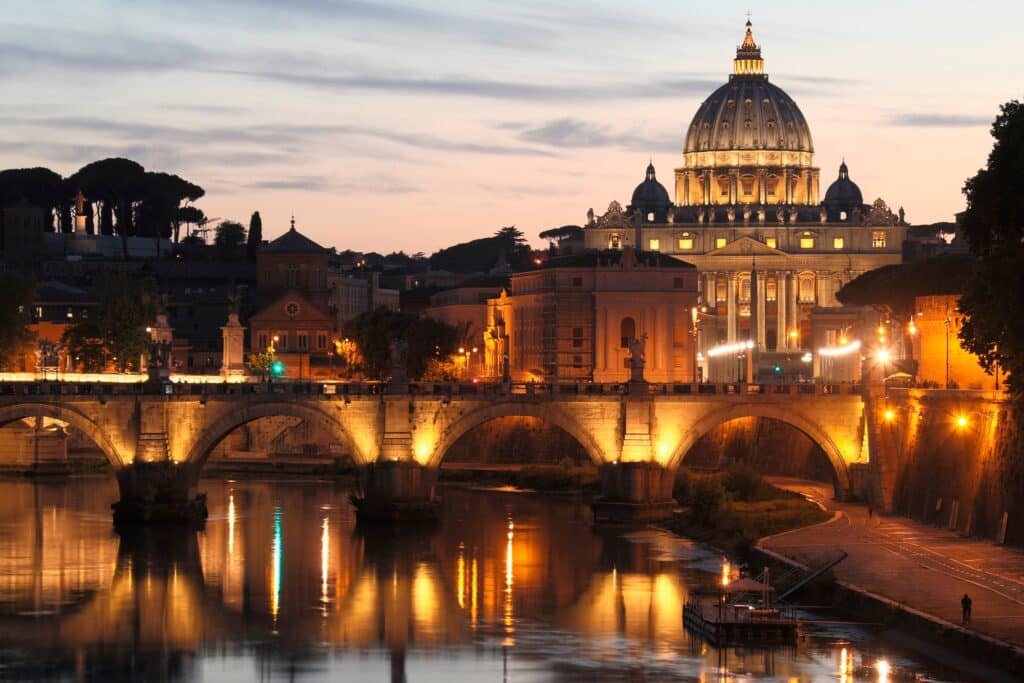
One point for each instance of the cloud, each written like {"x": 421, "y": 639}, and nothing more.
{"x": 468, "y": 86}
{"x": 573, "y": 133}
{"x": 939, "y": 120}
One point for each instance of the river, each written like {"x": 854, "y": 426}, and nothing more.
{"x": 281, "y": 586}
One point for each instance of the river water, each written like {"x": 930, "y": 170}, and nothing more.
{"x": 281, "y": 586}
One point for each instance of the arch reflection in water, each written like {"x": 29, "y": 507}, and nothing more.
{"x": 281, "y": 584}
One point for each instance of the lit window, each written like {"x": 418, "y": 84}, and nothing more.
{"x": 745, "y": 288}
{"x": 838, "y": 243}
{"x": 655, "y": 245}
{"x": 686, "y": 243}
{"x": 650, "y": 216}
{"x": 614, "y": 241}
{"x": 771, "y": 243}
{"x": 878, "y": 239}
{"x": 721, "y": 289}
{"x": 719, "y": 242}
{"x": 807, "y": 288}
{"x": 771, "y": 289}
{"x": 807, "y": 243}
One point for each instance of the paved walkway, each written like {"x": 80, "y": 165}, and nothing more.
{"x": 920, "y": 566}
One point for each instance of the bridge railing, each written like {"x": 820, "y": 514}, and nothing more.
{"x": 481, "y": 389}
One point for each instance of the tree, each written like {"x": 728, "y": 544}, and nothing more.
{"x": 993, "y": 226}
{"x": 127, "y": 306}
{"x": 85, "y": 345}
{"x": 255, "y": 235}
{"x": 39, "y": 187}
{"x": 229, "y": 240}
{"x": 374, "y": 331}
{"x": 15, "y": 337}
{"x": 895, "y": 287}
{"x": 482, "y": 255}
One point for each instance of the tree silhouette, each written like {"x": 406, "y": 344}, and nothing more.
{"x": 255, "y": 235}
{"x": 993, "y": 226}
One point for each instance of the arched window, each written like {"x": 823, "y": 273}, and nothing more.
{"x": 627, "y": 330}
{"x": 744, "y": 288}
{"x": 807, "y": 288}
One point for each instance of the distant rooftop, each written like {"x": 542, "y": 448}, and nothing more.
{"x": 293, "y": 242}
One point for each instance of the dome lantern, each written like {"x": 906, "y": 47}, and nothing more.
{"x": 748, "y": 60}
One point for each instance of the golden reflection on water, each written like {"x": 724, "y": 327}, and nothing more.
{"x": 282, "y": 564}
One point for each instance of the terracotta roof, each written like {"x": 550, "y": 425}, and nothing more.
{"x": 293, "y": 242}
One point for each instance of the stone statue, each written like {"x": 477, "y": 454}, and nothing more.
{"x": 399, "y": 361}
{"x": 672, "y": 215}
{"x": 637, "y": 358}
{"x": 747, "y": 211}
{"x": 793, "y": 215}
{"x": 761, "y": 213}
{"x": 590, "y": 216}
{"x": 903, "y": 216}
{"x": 823, "y": 215}
{"x": 700, "y": 215}
{"x": 780, "y": 216}
{"x": 730, "y": 213}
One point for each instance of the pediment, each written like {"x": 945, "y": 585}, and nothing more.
{"x": 746, "y": 246}
{"x": 291, "y": 306}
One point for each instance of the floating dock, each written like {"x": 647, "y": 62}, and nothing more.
{"x": 730, "y": 624}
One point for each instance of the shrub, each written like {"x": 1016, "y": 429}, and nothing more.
{"x": 743, "y": 483}
{"x": 682, "y": 487}
{"x": 707, "y": 499}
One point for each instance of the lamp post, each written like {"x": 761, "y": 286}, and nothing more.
{"x": 947, "y": 322}
{"x": 695, "y": 320}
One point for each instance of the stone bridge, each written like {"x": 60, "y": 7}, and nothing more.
{"x": 159, "y": 436}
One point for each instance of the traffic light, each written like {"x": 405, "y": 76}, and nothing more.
{"x": 778, "y": 368}
{"x": 277, "y": 368}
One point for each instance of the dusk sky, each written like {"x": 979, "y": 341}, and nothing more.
{"x": 411, "y": 126}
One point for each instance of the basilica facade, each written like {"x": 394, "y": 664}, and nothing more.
{"x": 768, "y": 250}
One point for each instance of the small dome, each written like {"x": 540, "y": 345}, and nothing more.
{"x": 650, "y": 194}
{"x": 842, "y": 195}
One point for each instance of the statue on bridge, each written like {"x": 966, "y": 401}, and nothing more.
{"x": 637, "y": 358}
{"x": 399, "y": 349}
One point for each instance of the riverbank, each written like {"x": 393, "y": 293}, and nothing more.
{"x": 732, "y": 510}
{"x": 910, "y": 577}
{"x": 545, "y": 478}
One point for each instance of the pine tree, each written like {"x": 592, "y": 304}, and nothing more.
{"x": 255, "y": 235}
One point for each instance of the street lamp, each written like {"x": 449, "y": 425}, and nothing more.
{"x": 947, "y": 322}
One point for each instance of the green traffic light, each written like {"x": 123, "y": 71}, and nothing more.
{"x": 778, "y": 368}
{"x": 277, "y": 368}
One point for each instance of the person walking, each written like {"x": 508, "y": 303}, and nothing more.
{"x": 965, "y": 603}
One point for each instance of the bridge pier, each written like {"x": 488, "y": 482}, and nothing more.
{"x": 396, "y": 491}
{"x": 159, "y": 492}
{"x": 634, "y": 493}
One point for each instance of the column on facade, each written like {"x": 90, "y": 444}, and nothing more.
{"x": 794, "y": 311}
{"x": 780, "y": 304}
{"x": 731, "y": 307}
{"x": 788, "y": 182}
{"x": 762, "y": 312}
{"x": 762, "y": 191}
{"x": 710, "y": 295}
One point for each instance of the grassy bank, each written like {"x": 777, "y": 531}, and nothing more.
{"x": 553, "y": 478}
{"x": 733, "y": 509}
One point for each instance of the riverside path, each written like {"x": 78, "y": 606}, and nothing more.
{"x": 916, "y": 566}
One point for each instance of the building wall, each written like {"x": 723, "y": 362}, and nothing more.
{"x": 306, "y": 272}
{"x": 936, "y": 341}
{"x": 568, "y": 324}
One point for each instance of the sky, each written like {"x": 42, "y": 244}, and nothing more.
{"x": 400, "y": 125}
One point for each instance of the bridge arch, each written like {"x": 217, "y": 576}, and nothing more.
{"x": 73, "y": 417}
{"x": 214, "y": 433}
{"x": 785, "y": 414}
{"x": 545, "y": 412}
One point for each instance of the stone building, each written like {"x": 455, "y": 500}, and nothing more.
{"x": 747, "y": 214}
{"x": 296, "y": 317}
{"x": 572, "y": 319}
{"x": 942, "y": 361}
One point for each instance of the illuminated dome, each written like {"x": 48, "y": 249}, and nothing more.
{"x": 749, "y": 143}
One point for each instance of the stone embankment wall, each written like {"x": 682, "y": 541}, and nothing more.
{"x": 770, "y": 446}
{"x": 951, "y": 458}
{"x": 516, "y": 441}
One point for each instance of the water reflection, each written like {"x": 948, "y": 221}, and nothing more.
{"x": 282, "y": 585}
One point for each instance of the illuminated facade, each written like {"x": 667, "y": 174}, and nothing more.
{"x": 573, "y": 317}
{"x": 747, "y": 214}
